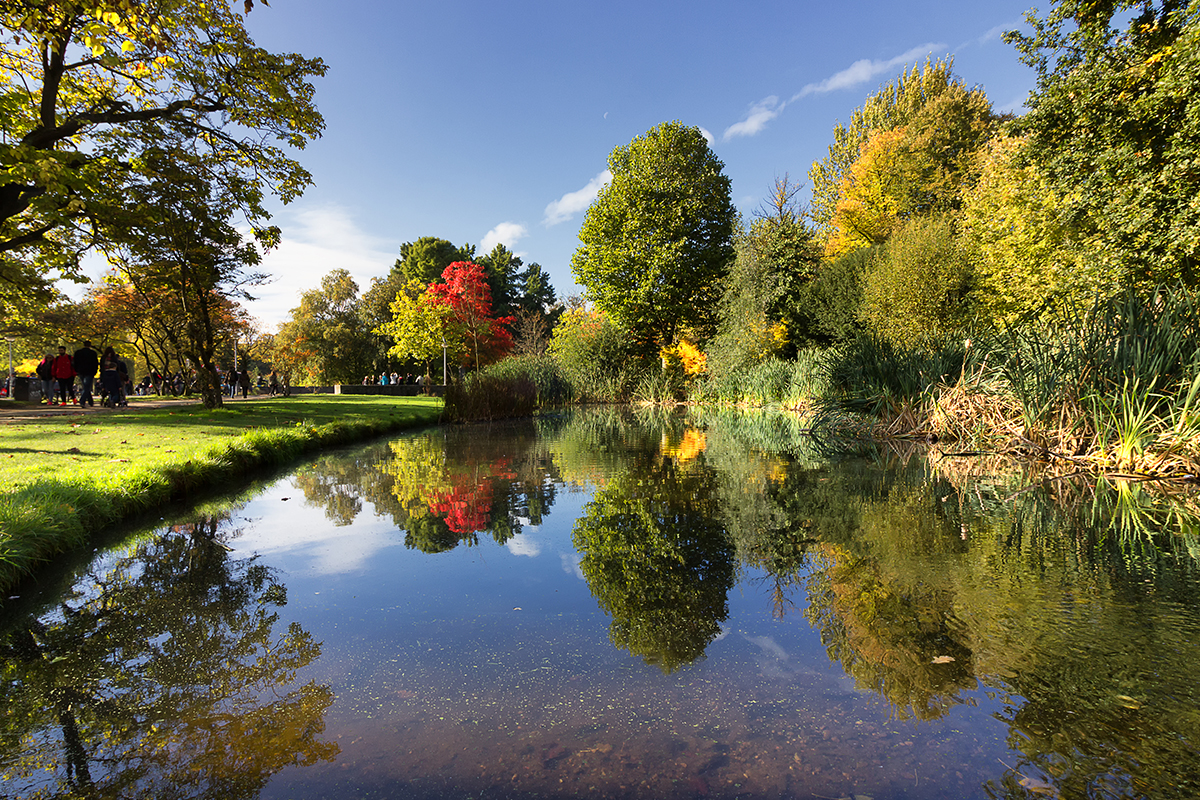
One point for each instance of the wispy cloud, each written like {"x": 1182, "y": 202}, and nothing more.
{"x": 756, "y": 119}
{"x": 316, "y": 240}
{"x": 708, "y": 137}
{"x": 506, "y": 233}
{"x": 572, "y": 203}
{"x": 865, "y": 69}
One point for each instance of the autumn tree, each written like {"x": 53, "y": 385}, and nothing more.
{"x": 659, "y": 237}
{"x": 339, "y": 348}
{"x": 175, "y": 235}
{"x": 89, "y": 86}
{"x": 466, "y": 295}
{"x": 419, "y": 327}
{"x": 895, "y": 105}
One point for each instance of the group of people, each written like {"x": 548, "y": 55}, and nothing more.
{"x": 393, "y": 379}
{"x": 58, "y": 373}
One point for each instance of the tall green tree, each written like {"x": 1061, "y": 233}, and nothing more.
{"x": 659, "y": 237}
{"x": 1115, "y": 125}
{"x": 502, "y": 269}
{"x": 86, "y": 86}
{"x": 427, "y": 258}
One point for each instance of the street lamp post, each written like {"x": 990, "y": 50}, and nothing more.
{"x": 10, "y": 341}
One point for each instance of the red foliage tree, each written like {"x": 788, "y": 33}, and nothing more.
{"x": 466, "y": 293}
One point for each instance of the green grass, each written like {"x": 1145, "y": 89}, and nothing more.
{"x": 68, "y": 476}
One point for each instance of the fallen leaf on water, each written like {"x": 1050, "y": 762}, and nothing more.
{"x": 943, "y": 659}
{"x": 1038, "y": 786}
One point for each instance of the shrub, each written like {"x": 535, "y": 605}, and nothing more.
{"x": 918, "y": 287}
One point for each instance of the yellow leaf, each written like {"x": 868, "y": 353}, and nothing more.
{"x": 128, "y": 47}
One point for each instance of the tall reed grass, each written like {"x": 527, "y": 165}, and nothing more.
{"x": 514, "y": 387}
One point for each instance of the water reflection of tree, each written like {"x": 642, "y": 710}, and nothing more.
{"x": 443, "y": 487}
{"x": 657, "y": 559}
{"x": 165, "y": 676}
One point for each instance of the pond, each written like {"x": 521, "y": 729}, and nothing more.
{"x": 621, "y": 603}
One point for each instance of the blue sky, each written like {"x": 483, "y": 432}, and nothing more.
{"x": 483, "y": 121}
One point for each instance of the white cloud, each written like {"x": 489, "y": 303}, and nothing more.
{"x": 506, "y": 233}
{"x": 572, "y": 203}
{"x": 865, "y": 69}
{"x": 756, "y": 119}
{"x": 315, "y": 241}
{"x": 708, "y": 137}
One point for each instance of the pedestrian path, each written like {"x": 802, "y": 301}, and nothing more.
{"x": 14, "y": 411}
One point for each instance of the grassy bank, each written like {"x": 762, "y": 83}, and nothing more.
{"x": 68, "y": 476}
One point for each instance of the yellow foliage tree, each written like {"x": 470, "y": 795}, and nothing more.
{"x": 877, "y": 194}
{"x": 1021, "y": 249}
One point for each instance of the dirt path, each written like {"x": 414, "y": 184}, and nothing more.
{"x": 14, "y": 411}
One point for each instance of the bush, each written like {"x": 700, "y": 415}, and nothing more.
{"x": 918, "y": 287}
{"x": 594, "y": 355}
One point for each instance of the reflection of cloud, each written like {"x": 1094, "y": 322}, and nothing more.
{"x": 289, "y": 528}
{"x": 865, "y": 69}
{"x": 506, "y": 233}
{"x": 769, "y": 646}
{"x": 570, "y": 563}
{"x": 523, "y": 545}
{"x": 572, "y": 203}
{"x": 316, "y": 240}
{"x": 756, "y": 119}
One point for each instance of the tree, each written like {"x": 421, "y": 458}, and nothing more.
{"x": 895, "y": 105}
{"x": 1115, "y": 127}
{"x": 659, "y": 237}
{"x": 466, "y": 295}
{"x": 502, "y": 268}
{"x": 419, "y": 326}
{"x": 1022, "y": 250}
{"x": 175, "y": 235}
{"x": 427, "y": 258}
{"x": 89, "y": 85}
{"x": 919, "y": 285}
{"x": 876, "y": 195}
{"x": 535, "y": 294}
{"x": 340, "y": 349}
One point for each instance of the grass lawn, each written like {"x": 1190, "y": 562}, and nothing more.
{"x": 109, "y": 446}
{"x": 66, "y": 476}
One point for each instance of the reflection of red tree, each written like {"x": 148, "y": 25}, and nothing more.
{"x": 467, "y": 504}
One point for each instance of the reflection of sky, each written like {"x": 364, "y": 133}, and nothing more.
{"x": 299, "y": 537}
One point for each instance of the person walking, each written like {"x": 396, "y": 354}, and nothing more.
{"x": 63, "y": 372}
{"x": 244, "y": 381}
{"x": 110, "y": 378}
{"x": 86, "y": 362}
{"x": 43, "y": 372}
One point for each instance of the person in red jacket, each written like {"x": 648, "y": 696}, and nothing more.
{"x": 64, "y": 373}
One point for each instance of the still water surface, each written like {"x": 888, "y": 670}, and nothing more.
{"x": 621, "y": 604}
